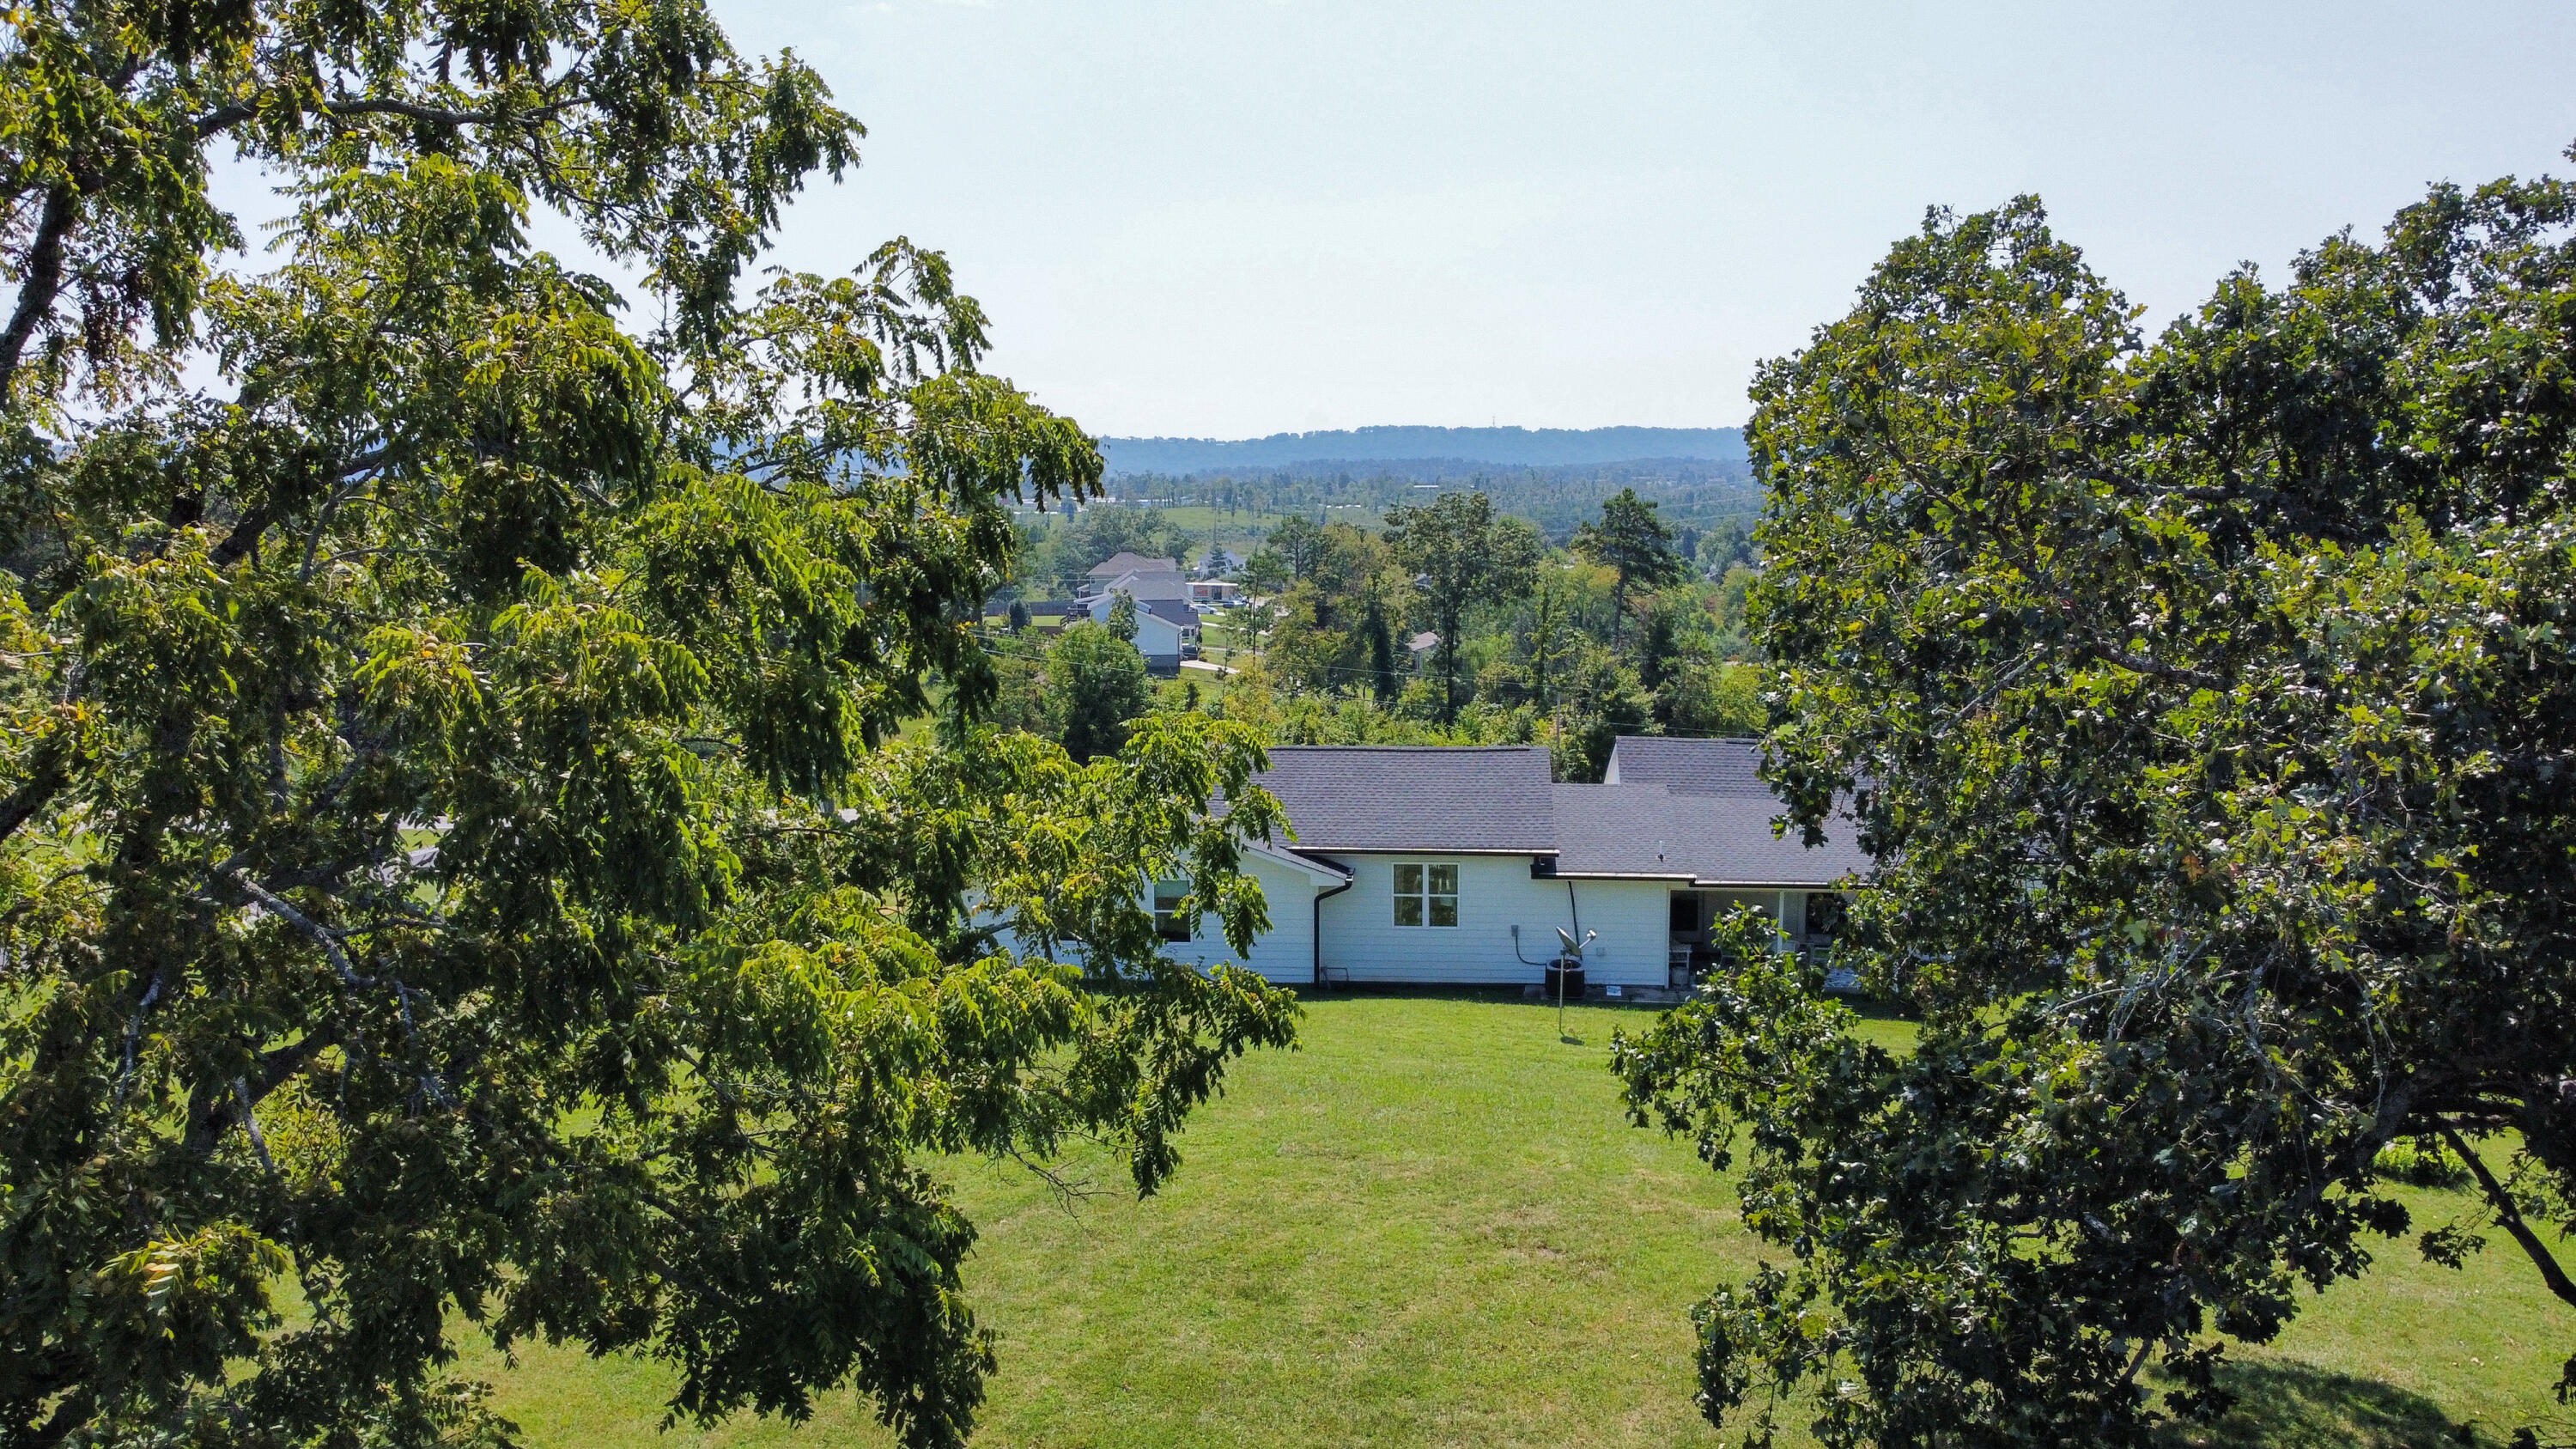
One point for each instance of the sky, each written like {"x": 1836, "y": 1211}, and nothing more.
{"x": 1228, "y": 218}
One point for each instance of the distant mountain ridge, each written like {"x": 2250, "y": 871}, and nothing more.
{"x": 1503, "y": 447}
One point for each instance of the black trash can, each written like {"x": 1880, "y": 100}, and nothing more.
{"x": 1565, "y": 975}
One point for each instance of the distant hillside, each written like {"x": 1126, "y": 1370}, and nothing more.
{"x": 1506, "y": 447}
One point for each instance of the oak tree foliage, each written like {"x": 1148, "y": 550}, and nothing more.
{"x": 2209, "y": 706}
{"x": 455, "y": 861}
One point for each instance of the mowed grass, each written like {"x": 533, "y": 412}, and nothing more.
{"x": 1432, "y": 1225}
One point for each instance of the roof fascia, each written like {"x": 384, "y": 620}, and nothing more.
{"x": 1289, "y": 857}
{"x": 1516, "y": 850}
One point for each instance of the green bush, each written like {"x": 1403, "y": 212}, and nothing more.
{"x": 2421, "y": 1163}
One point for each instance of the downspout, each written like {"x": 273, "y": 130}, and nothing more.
{"x": 1319, "y": 923}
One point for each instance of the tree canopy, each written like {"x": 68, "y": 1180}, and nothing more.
{"x": 1461, "y": 554}
{"x": 1635, "y": 545}
{"x": 455, "y": 863}
{"x": 2206, "y": 705}
{"x": 1096, "y": 685}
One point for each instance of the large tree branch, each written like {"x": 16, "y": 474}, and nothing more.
{"x": 2510, "y": 1217}
{"x": 223, "y": 118}
{"x": 2153, "y": 668}
{"x": 51, "y": 770}
{"x": 244, "y": 537}
{"x": 40, "y": 281}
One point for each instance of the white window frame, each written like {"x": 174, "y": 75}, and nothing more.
{"x": 1422, "y": 894}
{"x": 1167, "y": 895}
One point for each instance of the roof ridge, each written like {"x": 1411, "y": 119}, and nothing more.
{"x": 1454, "y": 749}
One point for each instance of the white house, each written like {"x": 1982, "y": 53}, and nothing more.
{"x": 1461, "y": 864}
{"x": 1162, "y": 625}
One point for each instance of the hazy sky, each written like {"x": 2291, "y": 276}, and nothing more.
{"x": 1227, "y": 218}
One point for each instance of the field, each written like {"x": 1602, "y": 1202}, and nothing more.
{"x": 1432, "y": 1226}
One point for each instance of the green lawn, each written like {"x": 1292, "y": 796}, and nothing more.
{"x": 1432, "y": 1226}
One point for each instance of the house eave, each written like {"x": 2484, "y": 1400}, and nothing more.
{"x": 1770, "y": 885}
{"x": 1510, "y": 850}
{"x": 1701, "y": 883}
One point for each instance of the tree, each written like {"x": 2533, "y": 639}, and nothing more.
{"x": 1317, "y": 640}
{"x": 1094, "y": 535}
{"x": 2206, "y": 705}
{"x": 1290, "y": 555}
{"x": 1018, "y": 618}
{"x": 1096, "y": 687}
{"x": 456, "y": 866}
{"x": 1381, "y": 654}
{"x": 1727, "y": 546}
{"x": 1461, "y": 555}
{"x": 1551, "y": 638}
{"x": 1633, "y": 543}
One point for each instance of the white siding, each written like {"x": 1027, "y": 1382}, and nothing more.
{"x": 1635, "y": 920}
{"x": 1286, "y": 952}
{"x": 1156, "y": 636}
{"x": 1495, "y": 893}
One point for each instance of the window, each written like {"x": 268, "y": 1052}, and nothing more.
{"x": 1169, "y": 923}
{"x": 1426, "y": 895}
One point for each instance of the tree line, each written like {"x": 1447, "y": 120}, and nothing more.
{"x": 1618, "y": 632}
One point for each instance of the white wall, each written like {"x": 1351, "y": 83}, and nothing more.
{"x": 1495, "y": 893}
{"x": 1286, "y": 952}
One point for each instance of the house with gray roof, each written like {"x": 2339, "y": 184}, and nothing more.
{"x": 1164, "y": 627}
{"x": 1460, "y": 865}
{"x": 1122, "y": 564}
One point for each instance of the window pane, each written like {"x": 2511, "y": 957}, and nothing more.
{"x": 1408, "y": 880}
{"x": 1408, "y": 910}
{"x": 1444, "y": 910}
{"x": 1168, "y": 922}
{"x": 1444, "y": 880}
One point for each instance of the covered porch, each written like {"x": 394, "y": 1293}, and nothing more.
{"x": 1808, "y": 920}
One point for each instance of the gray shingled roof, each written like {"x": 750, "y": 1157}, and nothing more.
{"x": 1715, "y": 840}
{"x": 1450, "y": 799}
{"x": 1144, "y": 584}
{"x": 1170, "y": 611}
{"x": 1127, "y": 562}
{"x": 1691, "y": 767}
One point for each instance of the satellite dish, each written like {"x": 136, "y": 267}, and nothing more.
{"x": 1567, "y": 937}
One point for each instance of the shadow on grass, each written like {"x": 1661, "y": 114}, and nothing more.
{"x": 2285, "y": 1404}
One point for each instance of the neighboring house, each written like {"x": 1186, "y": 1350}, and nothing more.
{"x": 1143, "y": 584}
{"x": 1416, "y": 864}
{"x": 1162, "y": 625}
{"x": 1215, "y": 591}
{"x": 1421, "y": 646}
{"x": 1122, "y": 563}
